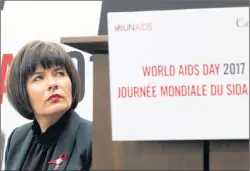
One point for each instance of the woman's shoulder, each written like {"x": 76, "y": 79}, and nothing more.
{"x": 84, "y": 123}
{"x": 21, "y": 131}
{"x": 18, "y": 135}
{"x": 85, "y": 126}
{"x": 84, "y": 133}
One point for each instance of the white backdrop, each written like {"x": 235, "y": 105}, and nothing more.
{"x": 25, "y": 21}
{"x": 149, "y": 51}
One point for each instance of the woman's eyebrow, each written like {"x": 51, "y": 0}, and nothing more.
{"x": 58, "y": 68}
{"x": 37, "y": 72}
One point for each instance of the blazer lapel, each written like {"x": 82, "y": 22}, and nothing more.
{"x": 66, "y": 142}
{"x": 20, "y": 156}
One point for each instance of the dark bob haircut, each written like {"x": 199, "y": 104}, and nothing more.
{"x": 32, "y": 55}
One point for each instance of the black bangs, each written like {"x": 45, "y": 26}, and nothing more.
{"x": 45, "y": 58}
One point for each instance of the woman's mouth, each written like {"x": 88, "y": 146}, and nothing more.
{"x": 54, "y": 97}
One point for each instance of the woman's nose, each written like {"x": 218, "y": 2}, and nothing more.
{"x": 52, "y": 84}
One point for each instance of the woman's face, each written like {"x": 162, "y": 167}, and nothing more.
{"x": 49, "y": 91}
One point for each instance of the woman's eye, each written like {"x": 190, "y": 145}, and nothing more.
{"x": 60, "y": 73}
{"x": 38, "y": 78}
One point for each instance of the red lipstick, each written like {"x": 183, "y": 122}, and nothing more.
{"x": 54, "y": 97}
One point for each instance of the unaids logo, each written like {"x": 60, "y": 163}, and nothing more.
{"x": 134, "y": 27}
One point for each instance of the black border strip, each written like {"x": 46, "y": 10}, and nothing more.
{"x": 206, "y": 156}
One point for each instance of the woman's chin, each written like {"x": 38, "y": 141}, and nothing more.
{"x": 56, "y": 109}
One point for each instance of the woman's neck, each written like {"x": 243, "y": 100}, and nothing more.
{"x": 46, "y": 121}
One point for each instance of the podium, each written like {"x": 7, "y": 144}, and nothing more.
{"x": 148, "y": 155}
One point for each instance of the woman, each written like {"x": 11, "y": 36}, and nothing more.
{"x": 43, "y": 86}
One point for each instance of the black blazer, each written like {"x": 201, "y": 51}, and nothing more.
{"x": 75, "y": 141}
{"x": 2, "y": 141}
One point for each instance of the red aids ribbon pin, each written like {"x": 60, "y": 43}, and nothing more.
{"x": 58, "y": 161}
